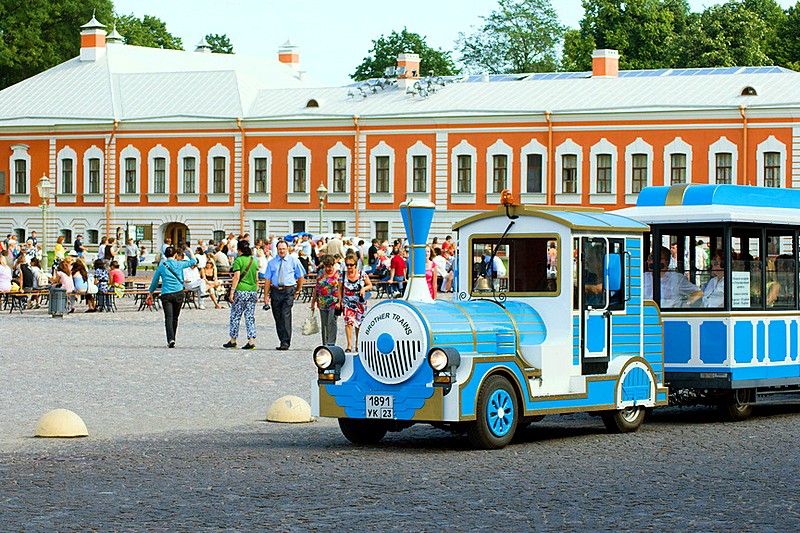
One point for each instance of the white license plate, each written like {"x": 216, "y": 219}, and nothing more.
{"x": 380, "y": 406}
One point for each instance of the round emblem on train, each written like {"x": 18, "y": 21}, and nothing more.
{"x": 393, "y": 342}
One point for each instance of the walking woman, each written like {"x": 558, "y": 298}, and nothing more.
{"x": 352, "y": 297}
{"x": 326, "y": 297}
{"x": 243, "y": 295}
{"x": 170, "y": 273}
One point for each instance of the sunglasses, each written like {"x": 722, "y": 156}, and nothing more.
{"x": 350, "y": 264}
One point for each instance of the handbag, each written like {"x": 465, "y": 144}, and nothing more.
{"x": 311, "y": 325}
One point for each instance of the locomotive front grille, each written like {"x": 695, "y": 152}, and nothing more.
{"x": 396, "y": 365}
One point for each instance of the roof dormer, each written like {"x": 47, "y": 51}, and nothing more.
{"x": 93, "y": 40}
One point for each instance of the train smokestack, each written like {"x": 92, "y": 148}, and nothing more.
{"x": 417, "y": 217}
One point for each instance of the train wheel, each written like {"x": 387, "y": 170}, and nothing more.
{"x": 362, "y": 431}
{"x": 737, "y": 405}
{"x": 624, "y": 420}
{"x": 496, "y": 415}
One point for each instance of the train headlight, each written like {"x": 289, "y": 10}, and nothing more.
{"x": 443, "y": 359}
{"x": 329, "y": 357}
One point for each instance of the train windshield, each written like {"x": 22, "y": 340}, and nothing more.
{"x": 521, "y": 265}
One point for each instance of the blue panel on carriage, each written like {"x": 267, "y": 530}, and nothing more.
{"x": 652, "y": 196}
{"x": 743, "y": 342}
{"x": 636, "y": 386}
{"x": 761, "y": 337}
{"x": 793, "y": 340}
{"x": 737, "y": 195}
{"x": 777, "y": 340}
{"x": 596, "y": 333}
{"x": 713, "y": 342}
{"x": 596, "y": 220}
{"x": 677, "y": 342}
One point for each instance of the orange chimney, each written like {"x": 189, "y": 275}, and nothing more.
{"x": 93, "y": 40}
{"x": 408, "y": 65}
{"x": 605, "y": 63}
{"x": 289, "y": 55}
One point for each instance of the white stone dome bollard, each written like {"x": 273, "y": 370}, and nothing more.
{"x": 289, "y": 409}
{"x": 61, "y": 423}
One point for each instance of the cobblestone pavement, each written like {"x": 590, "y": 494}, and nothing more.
{"x": 177, "y": 442}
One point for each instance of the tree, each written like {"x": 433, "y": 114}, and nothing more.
{"x": 149, "y": 31}
{"x": 520, "y": 36}
{"x": 36, "y": 35}
{"x": 385, "y": 50}
{"x": 220, "y": 44}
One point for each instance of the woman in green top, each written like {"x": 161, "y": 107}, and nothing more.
{"x": 243, "y": 295}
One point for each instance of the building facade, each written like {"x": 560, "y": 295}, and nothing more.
{"x": 194, "y": 145}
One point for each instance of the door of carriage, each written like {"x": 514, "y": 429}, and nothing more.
{"x": 600, "y": 295}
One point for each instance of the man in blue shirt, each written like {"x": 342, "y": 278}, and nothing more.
{"x": 282, "y": 285}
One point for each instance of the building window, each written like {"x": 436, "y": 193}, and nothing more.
{"x": 724, "y": 167}
{"x": 772, "y": 169}
{"x": 94, "y": 176}
{"x": 19, "y": 233}
{"x": 159, "y": 175}
{"x": 67, "y": 234}
{"x": 93, "y": 235}
{"x": 339, "y": 174}
{"x": 219, "y": 175}
{"x": 130, "y": 175}
{"x": 299, "y": 174}
{"x": 260, "y": 229}
{"x": 2, "y": 183}
{"x": 569, "y": 173}
{"x": 603, "y": 174}
{"x": 465, "y": 174}
{"x": 260, "y": 185}
{"x": 189, "y": 175}
{"x": 499, "y": 173}
{"x": 639, "y": 173}
{"x": 340, "y": 227}
{"x": 298, "y": 226}
{"x": 677, "y": 169}
{"x": 533, "y": 174}
{"x": 218, "y": 235}
{"x": 20, "y": 176}
{"x": 420, "y": 174}
{"x": 382, "y": 173}
{"x": 382, "y": 231}
{"x": 67, "y": 179}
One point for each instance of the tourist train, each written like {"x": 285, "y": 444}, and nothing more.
{"x": 688, "y": 297}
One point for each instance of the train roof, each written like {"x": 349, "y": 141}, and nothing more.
{"x": 693, "y": 203}
{"x": 575, "y": 218}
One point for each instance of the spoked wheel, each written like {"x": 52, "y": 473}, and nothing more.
{"x": 496, "y": 415}
{"x": 624, "y": 420}
{"x": 737, "y": 405}
{"x": 360, "y": 431}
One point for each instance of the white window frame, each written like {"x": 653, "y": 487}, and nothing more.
{"x": 189, "y": 151}
{"x": 419, "y": 149}
{"x": 771, "y": 144}
{"x": 219, "y": 150}
{"x": 677, "y": 146}
{"x": 602, "y": 147}
{"x": 723, "y": 145}
{"x": 260, "y": 151}
{"x": 129, "y": 152}
{"x": 639, "y": 146}
{"x": 19, "y": 152}
{"x": 569, "y": 147}
{"x": 339, "y": 150}
{"x": 63, "y": 154}
{"x": 463, "y": 148}
{"x": 533, "y": 147}
{"x": 298, "y": 150}
{"x": 157, "y": 151}
{"x": 381, "y": 150}
{"x": 94, "y": 153}
{"x": 498, "y": 148}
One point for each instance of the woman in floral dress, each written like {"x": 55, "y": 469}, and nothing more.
{"x": 354, "y": 286}
{"x": 326, "y": 297}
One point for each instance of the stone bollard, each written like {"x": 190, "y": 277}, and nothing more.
{"x": 291, "y": 409}
{"x": 61, "y": 423}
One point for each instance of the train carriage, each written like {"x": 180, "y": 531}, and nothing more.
{"x": 550, "y": 320}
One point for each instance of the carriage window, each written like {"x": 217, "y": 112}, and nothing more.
{"x": 745, "y": 268}
{"x": 781, "y": 270}
{"x": 520, "y": 265}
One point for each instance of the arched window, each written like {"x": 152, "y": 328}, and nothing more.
{"x": 20, "y": 167}
{"x": 260, "y": 174}
{"x": 381, "y": 173}
{"x": 418, "y": 170}
{"x": 219, "y": 164}
{"x": 463, "y": 163}
{"x": 533, "y": 172}
{"x": 723, "y": 162}
{"x": 499, "y": 162}
{"x": 603, "y": 173}
{"x": 299, "y": 175}
{"x": 569, "y": 167}
{"x": 638, "y": 169}
{"x": 339, "y": 168}
{"x": 158, "y": 165}
{"x": 677, "y": 162}
{"x": 130, "y": 164}
{"x": 67, "y": 166}
{"x": 188, "y": 174}
{"x": 93, "y": 174}
{"x": 771, "y": 163}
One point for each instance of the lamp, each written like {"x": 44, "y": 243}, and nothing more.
{"x": 45, "y": 189}
{"x": 322, "y": 193}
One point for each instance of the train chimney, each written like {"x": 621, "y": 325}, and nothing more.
{"x": 417, "y": 217}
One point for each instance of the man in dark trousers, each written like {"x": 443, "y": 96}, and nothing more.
{"x": 282, "y": 286}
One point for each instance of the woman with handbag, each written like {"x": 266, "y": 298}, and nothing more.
{"x": 353, "y": 289}
{"x": 326, "y": 297}
{"x": 243, "y": 295}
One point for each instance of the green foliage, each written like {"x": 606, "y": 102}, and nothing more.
{"x": 385, "y": 50}
{"x": 220, "y": 44}
{"x": 149, "y": 31}
{"x": 520, "y": 36}
{"x": 36, "y": 35}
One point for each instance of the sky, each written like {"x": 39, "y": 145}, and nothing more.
{"x": 333, "y": 36}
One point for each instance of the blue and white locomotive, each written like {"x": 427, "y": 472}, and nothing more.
{"x": 550, "y": 320}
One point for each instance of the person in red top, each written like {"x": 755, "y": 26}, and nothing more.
{"x": 397, "y": 273}
{"x": 115, "y": 276}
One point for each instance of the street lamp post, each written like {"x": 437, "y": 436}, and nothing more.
{"x": 45, "y": 188}
{"x": 322, "y": 193}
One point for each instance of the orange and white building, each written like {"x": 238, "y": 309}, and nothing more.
{"x": 167, "y": 143}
